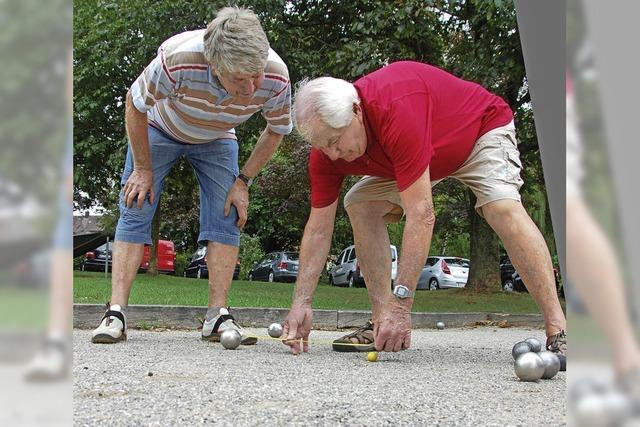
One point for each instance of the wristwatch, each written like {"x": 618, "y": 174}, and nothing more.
{"x": 403, "y": 292}
{"x": 244, "y": 178}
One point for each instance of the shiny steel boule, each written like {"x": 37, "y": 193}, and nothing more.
{"x": 519, "y": 349}
{"x": 529, "y": 367}
{"x": 440, "y": 325}
{"x": 536, "y": 345}
{"x": 551, "y": 364}
{"x": 275, "y": 330}
{"x": 230, "y": 339}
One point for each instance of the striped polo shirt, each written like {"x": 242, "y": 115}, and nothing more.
{"x": 183, "y": 98}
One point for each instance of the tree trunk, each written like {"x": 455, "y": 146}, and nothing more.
{"x": 155, "y": 235}
{"x": 484, "y": 274}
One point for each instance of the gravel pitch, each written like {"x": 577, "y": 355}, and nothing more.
{"x": 453, "y": 377}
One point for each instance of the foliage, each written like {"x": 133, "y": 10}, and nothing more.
{"x": 181, "y": 262}
{"x": 250, "y": 253}
{"x": 35, "y": 110}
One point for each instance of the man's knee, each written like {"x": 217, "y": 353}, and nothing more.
{"x": 369, "y": 209}
{"x": 505, "y": 213}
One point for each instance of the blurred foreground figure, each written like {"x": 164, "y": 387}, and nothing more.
{"x": 53, "y": 361}
{"x": 603, "y": 292}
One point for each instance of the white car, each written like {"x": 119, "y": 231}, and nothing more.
{"x": 444, "y": 272}
{"x": 347, "y": 270}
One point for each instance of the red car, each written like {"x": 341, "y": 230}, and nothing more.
{"x": 166, "y": 257}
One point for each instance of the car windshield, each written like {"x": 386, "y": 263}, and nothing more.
{"x": 458, "y": 262}
{"x": 291, "y": 256}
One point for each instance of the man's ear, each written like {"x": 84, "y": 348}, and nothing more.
{"x": 356, "y": 108}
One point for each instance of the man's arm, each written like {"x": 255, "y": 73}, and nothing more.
{"x": 316, "y": 242}
{"x": 263, "y": 151}
{"x": 141, "y": 180}
{"x": 392, "y": 331}
{"x": 418, "y": 230}
{"x": 314, "y": 249}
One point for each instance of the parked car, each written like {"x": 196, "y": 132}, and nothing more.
{"x": 444, "y": 272}
{"x": 511, "y": 280}
{"x": 347, "y": 270}
{"x": 198, "y": 265}
{"x": 278, "y": 266}
{"x": 166, "y": 256}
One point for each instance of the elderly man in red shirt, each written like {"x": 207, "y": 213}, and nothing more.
{"x": 404, "y": 128}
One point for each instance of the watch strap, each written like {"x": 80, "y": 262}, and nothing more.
{"x": 244, "y": 178}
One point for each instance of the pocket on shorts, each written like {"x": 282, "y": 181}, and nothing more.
{"x": 513, "y": 162}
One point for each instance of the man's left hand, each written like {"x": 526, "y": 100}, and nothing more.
{"x": 392, "y": 329}
{"x": 239, "y": 197}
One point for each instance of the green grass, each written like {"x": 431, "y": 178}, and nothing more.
{"x": 23, "y": 308}
{"x": 167, "y": 290}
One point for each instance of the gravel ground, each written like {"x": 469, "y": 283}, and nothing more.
{"x": 452, "y": 377}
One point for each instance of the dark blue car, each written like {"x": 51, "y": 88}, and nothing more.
{"x": 198, "y": 266}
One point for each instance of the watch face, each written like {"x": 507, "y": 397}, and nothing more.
{"x": 401, "y": 291}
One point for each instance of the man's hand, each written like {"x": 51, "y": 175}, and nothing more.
{"x": 239, "y": 197}
{"x": 392, "y": 329}
{"x": 140, "y": 183}
{"x": 297, "y": 326}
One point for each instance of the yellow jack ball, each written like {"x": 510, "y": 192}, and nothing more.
{"x": 372, "y": 356}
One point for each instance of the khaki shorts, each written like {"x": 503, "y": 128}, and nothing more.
{"x": 492, "y": 172}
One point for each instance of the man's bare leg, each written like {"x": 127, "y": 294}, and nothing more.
{"x": 529, "y": 254}
{"x": 372, "y": 249}
{"x": 126, "y": 261}
{"x": 221, "y": 261}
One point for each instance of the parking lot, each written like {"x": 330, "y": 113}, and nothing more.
{"x": 461, "y": 376}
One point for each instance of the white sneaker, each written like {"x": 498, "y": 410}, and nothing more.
{"x": 112, "y": 329}
{"x": 50, "y": 364}
{"x": 212, "y": 329}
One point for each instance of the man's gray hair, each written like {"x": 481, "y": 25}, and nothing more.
{"x": 325, "y": 101}
{"x": 235, "y": 42}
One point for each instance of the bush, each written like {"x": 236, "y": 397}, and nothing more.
{"x": 77, "y": 262}
{"x": 250, "y": 253}
{"x": 182, "y": 260}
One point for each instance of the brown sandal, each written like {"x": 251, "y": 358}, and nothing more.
{"x": 363, "y": 336}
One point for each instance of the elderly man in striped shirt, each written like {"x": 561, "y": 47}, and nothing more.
{"x": 187, "y": 102}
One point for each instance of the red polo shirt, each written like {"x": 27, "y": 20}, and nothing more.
{"x": 415, "y": 116}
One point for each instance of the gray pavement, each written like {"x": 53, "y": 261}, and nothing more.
{"x": 453, "y": 377}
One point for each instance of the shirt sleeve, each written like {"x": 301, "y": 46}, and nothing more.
{"x": 155, "y": 83}
{"x": 406, "y": 137}
{"x": 326, "y": 181}
{"x": 277, "y": 110}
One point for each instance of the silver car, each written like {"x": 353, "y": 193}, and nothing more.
{"x": 346, "y": 272}
{"x": 444, "y": 272}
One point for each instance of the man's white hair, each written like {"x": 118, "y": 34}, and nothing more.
{"x": 234, "y": 42}
{"x": 325, "y": 101}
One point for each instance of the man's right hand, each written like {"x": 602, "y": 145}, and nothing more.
{"x": 140, "y": 183}
{"x": 297, "y": 326}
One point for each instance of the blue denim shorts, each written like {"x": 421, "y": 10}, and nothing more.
{"x": 216, "y": 167}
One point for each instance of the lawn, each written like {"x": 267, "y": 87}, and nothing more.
{"x": 22, "y": 308}
{"x": 94, "y": 288}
